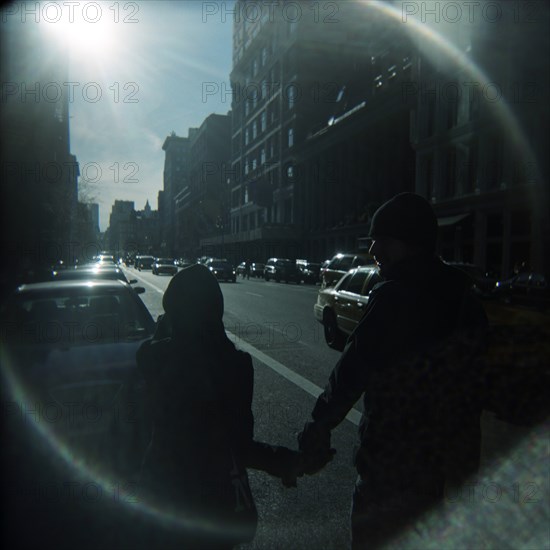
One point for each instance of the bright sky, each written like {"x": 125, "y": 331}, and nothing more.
{"x": 150, "y": 69}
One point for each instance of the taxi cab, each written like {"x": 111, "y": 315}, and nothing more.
{"x": 339, "y": 308}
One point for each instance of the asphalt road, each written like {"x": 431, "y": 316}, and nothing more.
{"x": 274, "y": 322}
{"x": 57, "y": 498}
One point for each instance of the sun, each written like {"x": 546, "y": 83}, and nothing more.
{"x": 85, "y": 36}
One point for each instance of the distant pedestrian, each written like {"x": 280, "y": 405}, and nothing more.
{"x": 246, "y": 272}
{"x": 200, "y": 389}
{"x": 412, "y": 357}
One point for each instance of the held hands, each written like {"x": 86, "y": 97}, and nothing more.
{"x": 314, "y": 454}
{"x": 292, "y": 468}
{"x": 314, "y": 443}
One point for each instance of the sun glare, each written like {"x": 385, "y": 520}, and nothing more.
{"x": 84, "y": 37}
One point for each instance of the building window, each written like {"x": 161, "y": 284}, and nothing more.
{"x": 429, "y": 177}
{"x": 450, "y": 176}
{"x": 254, "y": 163}
{"x": 264, "y": 56}
{"x": 263, "y": 123}
{"x": 290, "y": 171}
{"x": 430, "y": 106}
{"x": 452, "y": 111}
{"x": 262, "y": 156}
{"x": 290, "y": 137}
{"x": 287, "y": 211}
{"x": 246, "y": 167}
{"x": 254, "y": 130}
{"x": 264, "y": 89}
{"x": 246, "y": 137}
{"x": 291, "y": 94}
{"x": 494, "y": 160}
{"x": 246, "y": 107}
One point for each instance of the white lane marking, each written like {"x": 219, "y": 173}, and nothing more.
{"x": 254, "y": 294}
{"x": 354, "y": 416}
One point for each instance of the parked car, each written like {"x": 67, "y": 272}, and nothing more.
{"x": 524, "y": 287}
{"x": 145, "y": 262}
{"x": 72, "y": 345}
{"x": 241, "y": 268}
{"x": 257, "y": 269}
{"x": 164, "y": 265}
{"x": 481, "y": 282}
{"x": 93, "y": 272}
{"x": 339, "y": 308}
{"x": 310, "y": 272}
{"x": 184, "y": 262}
{"x": 222, "y": 269}
{"x": 282, "y": 269}
{"x": 340, "y": 264}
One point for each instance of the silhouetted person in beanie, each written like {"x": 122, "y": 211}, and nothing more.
{"x": 200, "y": 388}
{"x": 413, "y": 358}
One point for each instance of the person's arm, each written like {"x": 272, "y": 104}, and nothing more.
{"x": 275, "y": 460}
{"x": 349, "y": 378}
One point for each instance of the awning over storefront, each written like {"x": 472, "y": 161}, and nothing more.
{"x": 451, "y": 220}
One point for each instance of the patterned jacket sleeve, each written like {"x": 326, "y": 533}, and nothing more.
{"x": 363, "y": 352}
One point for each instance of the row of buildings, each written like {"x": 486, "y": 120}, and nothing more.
{"x": 330, "y": 118}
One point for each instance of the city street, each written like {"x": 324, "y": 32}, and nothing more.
{"x": 274, "y": 322}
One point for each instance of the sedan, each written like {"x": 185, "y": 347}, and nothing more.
{"x": 222, "y": 269}
{"x": 282, "y": 269}
{"x": 340, "y": 308}
{"x": 69, "y": 348}
{"x": 310, "y": 272}
{"x": 257, "y": 269}
{"x": 164, "y": 265}
{"x": 145, "y": 262}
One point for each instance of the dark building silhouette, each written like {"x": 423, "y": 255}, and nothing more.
{"x": 39, "y": 174}
{"x": 202, "y": 204}
{"x": 316, "y": 112}
{"x": 175, "y": 179}
{"x": 489, "y": 190}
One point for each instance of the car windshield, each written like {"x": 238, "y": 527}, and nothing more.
{"x": 219, "y": 265}
{"x": 80, "y": 317}
{"x": 165, "y": 261}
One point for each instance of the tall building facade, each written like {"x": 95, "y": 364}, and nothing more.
{"x": 313, "y": 99}
{"x": 201, "y": 206}
{"x": 332, "y": 118}
{"x": 39, "y": 173}
{"x": 175, "y": 178}
{"x": 481, "y": 140}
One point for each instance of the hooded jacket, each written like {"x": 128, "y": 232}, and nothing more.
{"x": 412, "y": 357}
{"x": 199, "y": 390}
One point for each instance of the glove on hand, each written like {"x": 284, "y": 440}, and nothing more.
{"x": 314, "y": 442}
{"x": 292, "y": 467}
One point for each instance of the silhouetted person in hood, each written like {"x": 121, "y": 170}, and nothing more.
{"x": 412, "y": 357}
{"x": 200, "y": 389}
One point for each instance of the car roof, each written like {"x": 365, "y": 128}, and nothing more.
{"x": 72, "y": 284}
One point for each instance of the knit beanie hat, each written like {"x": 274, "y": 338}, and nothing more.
{"x": 194, "y": 292}
{"x": 407, "y": 217}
